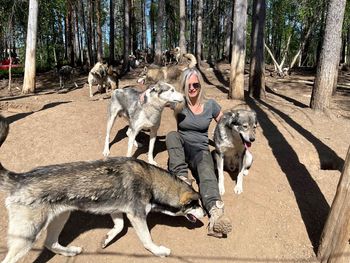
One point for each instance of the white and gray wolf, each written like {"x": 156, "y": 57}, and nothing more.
{"x": 167, "y": 73}
{"x": 45, "y": 196}
{"x": 143, "y": 110}
{"x": 101, "y": 74}
{"x": 65, "y": 74}
{"x": 233, "y": 136}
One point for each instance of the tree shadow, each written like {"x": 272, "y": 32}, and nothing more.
{"x": 329, "y": 159}
{"x": 311, "y": 202}
{"x": 19, "y": 116}
{"x": 143, "y": 138}
{"x": 295, "y": 102}
{"x": 80, "y": 222}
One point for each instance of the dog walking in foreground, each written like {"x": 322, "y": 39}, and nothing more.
{"x": 233, "y": 137}
{"x": 44, "y": 198}
{"x": 102, "y": 75}
{"x": 143, "y": 110}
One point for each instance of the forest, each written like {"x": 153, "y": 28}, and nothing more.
{"x": 288, "y": 60}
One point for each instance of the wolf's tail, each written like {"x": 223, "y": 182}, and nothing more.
{"x": 192, "y": 58}
{"x": 4, "y": 130}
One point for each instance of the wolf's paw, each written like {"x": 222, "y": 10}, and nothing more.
{"x": 65, "y": 251}
{"x": 105, "y": 152}
{"x": 162, "y": 251}
{"x": 221, "y": 189}
{"x": 153, "y": 162}
{"x": 72, "y": 251}
{"x": 238, "y": 189}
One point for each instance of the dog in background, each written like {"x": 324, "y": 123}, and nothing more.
{"x": 170, "y": 56}
{"x": 143, "y": 110}
{"x": 101, "y": 74}
{"x": 65, "y": 74}
{"x": 167, "y": 73}
{"x": 45, "y": 197}
{"x": 233, "y": 136}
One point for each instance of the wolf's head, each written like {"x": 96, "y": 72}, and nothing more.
{"x": 165, "y": 93}
{"x": 244, "y": 122}
{"x": 188, "y": 205}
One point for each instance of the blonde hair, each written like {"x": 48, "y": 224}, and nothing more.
{"x": 185, "y": 76}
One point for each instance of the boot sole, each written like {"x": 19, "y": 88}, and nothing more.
{"x": 223, "y": 226}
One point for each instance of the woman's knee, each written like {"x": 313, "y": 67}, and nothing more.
{"x": 173, "y": 139}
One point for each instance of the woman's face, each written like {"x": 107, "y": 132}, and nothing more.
{"x": 193, "y": 86}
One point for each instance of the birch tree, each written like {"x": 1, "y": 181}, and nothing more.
{"x": 30, "y": 63}
{"x": 236, "y": 89}
{"x": 182, "y": 41}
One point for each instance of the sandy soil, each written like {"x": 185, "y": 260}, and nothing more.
{"x": 298, "y": 157}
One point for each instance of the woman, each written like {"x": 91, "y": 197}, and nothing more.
{"x": 188, "y": 147}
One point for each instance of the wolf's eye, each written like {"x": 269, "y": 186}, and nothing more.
{"x": 245, "y": 126}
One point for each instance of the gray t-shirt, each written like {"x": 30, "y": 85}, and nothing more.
{"x": 193, "y": 128}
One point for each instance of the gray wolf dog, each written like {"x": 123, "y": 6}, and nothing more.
{"x": 143, "y": 110}
{"x": 44, "y": 198}
{"x": 233, "y": 136}
{"x": 102, "y": 74}
{"x": 65, "y": 74}
{"x": 167, "y": 73}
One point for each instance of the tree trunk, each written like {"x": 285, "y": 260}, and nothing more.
{"x": 236, "y": 89}
{"x": 158, "y": 57}
{"x": 111, "y": 31}
{"x": 329, "y": 58}
{"x": 29, "y": 69}
{"x": 90, "y": 35}
{"x": 152, "y": 18}
{"x": 126, "y": 35}
{"x": 99, "y": 31}
{"x": 228, "y": 26}
{"x": 78, "y": 50}
{"x": 199, "y": 32}
{"x": 302, "y": 45}
{"x": 87, "y": 30}
{"x": 144, "y": 24}
{"x": 70, "y": 39}
{"x": 182, "y": 41}
{"x": 334, "y": 243}
{"x": 257, "y": 62}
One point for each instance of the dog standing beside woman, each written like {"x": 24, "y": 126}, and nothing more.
{"x": 188, "y": 147}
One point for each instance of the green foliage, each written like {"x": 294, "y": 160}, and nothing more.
{"x": 14, "y": 72}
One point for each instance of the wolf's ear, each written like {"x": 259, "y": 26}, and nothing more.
{"x": 233, "y": 118}
{"x": 188, "y": 197}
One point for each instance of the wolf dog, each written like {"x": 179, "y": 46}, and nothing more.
{"x": 102, "y": 74}
{"x": 65, "y": 74}
{"x": 167, "y": 73}
{"x": 44, "y": 198}
{"x": 233, "y": 136}
{"x": 143, "y": 110}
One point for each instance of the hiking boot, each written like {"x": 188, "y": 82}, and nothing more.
{"x": 219, "y": 224}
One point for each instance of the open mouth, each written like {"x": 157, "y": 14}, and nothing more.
{"x": 247, "y": 144}
{"x": 191, "y": 218}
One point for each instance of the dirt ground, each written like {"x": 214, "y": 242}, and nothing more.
{"x": 298, "y": 158}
